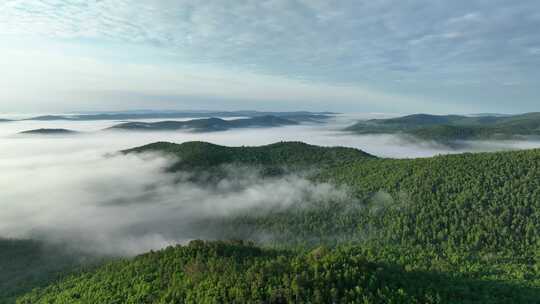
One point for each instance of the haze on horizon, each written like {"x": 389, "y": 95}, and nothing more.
{"x": 345, "y": 56}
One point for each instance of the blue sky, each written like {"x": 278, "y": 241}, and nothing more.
{"x": 459, "y": 56}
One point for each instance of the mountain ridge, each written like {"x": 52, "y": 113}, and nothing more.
{"x": 453, "y": 128}
{"x": 206, "y": 124}
{"x": 296, "y": 115}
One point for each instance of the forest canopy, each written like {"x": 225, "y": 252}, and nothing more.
{"x": 449, "y": 229}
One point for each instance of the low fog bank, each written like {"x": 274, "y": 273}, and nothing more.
{"x": 125, "y": 205}
{"x": 75, "y": 189}
{"x": 328, "y": 134}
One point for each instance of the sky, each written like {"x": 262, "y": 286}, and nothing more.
{"x": 460, "y": 56}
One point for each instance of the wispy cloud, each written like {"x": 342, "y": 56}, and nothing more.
{"x": 345, "y": 42}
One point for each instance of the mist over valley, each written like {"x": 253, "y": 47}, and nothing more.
{"x": 276, "y": 151}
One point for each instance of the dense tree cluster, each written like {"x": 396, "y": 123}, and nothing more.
{"x": 473, "y": 202}
{"x": 236, "y": 272}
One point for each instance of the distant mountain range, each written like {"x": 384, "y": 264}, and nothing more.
{"x": 298, "y": 116}
{"x": 451, "y": 128}
{"x": 207, "y": 124}
{"x": 445, "y": 129}
{"x": 489, "y": 114}
{"x": 195, "y": 125}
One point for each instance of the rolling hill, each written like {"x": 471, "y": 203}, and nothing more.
{"x": 283, "y": 154}
{"x": 438, "y": 188}
{"x": 206, "y": 124}
{"x": 49, "y": 132}
{"x": 449, "y": 128}
{"x": 448, "y": 229}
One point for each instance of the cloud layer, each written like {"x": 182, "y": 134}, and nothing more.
{"x": 125, "y": 205}
{"x": 76, "y": 189}
{"x": 308, "y": 36}
{"x": 460, "y": 55}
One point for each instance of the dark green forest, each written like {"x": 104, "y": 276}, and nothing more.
{"x": 448, "y": 229}
{"x": 26, "y": 264}
{"x": 238, "y": 272}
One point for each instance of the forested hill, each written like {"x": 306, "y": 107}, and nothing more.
{"x": 474, "y": 202}
{"x": 207, "y": 124}
{"x": 487, "y": 201}
{"x": 286, "y": 154}
{"x": 448, "y": 229}
{"x": 448, "y": 128}
{"x": 238, "y": 272}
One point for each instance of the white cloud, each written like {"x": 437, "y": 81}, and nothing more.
{"x": 127, "y": 204}
{"x": 277, "y": 32}
{"x": 353, "y": 43}
{"x": 64, "y": 188}
{"x": 467, "y": 18}
{"x": 535, "y": 51}
{"x": 63, "y": 79}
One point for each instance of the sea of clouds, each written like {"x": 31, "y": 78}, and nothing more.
{"x": 78, "y": 190}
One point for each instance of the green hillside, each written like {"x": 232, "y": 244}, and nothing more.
{"x": 449, "y": 128}
{"x": 284, "y": 154}
{"x": 236, "y": 272}
{"x": 448, "y": 229}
